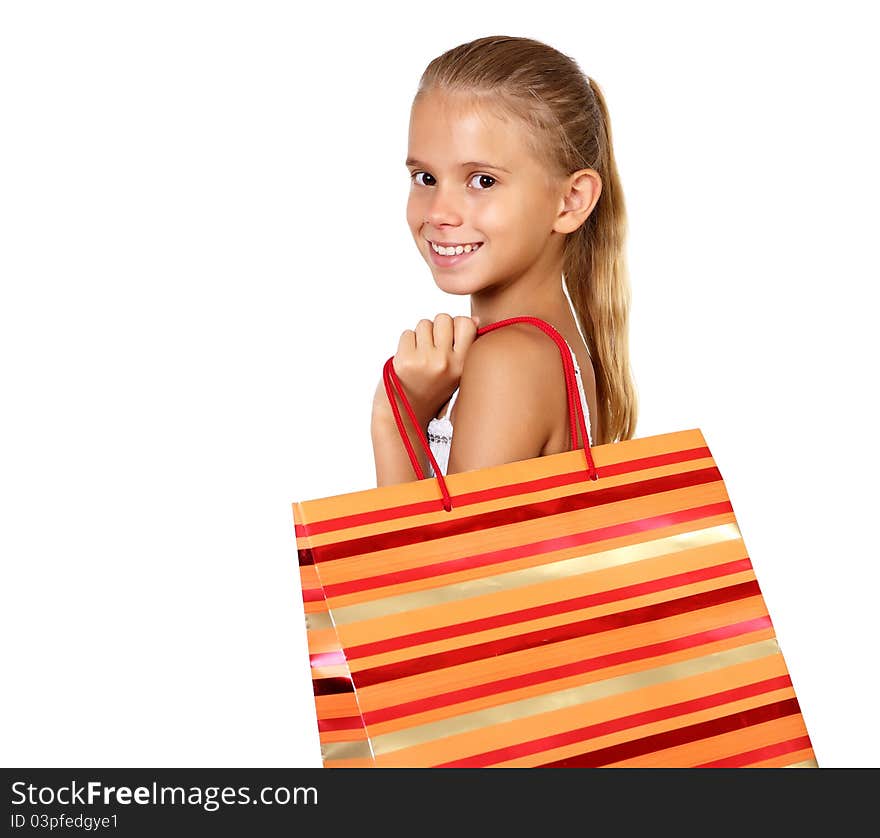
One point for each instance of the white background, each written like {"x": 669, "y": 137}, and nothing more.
{"x": 205, "y": 263}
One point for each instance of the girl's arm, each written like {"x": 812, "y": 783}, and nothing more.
{"x": 392, "y": 461}
{"x": 428, "y": 362}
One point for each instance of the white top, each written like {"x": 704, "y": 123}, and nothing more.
{"x": 440, "y": 430}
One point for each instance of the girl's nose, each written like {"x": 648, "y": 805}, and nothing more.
{"x": 443, "y": 209}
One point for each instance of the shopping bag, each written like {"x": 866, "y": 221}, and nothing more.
{"x": 596, "y": 607}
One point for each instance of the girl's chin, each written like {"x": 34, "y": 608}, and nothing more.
{"x": 455, "y": 285}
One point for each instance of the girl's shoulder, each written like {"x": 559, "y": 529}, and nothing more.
{"x": 518, "y": 347}
{"x": 501, "y": 410}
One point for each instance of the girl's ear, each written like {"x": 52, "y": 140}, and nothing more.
{"x": 581, "y": 195}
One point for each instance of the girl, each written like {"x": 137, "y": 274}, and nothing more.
{"x": 516, "y": 201}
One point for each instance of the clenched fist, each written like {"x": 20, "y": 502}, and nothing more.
{"x": 429, "y": 363}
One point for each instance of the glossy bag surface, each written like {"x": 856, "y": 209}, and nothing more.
{"x": 545, "y": 612}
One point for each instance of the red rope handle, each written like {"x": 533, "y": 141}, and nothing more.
{"x": 389, "y": 376}
{"x": 575, "y": 409}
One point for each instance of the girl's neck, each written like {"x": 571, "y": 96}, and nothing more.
{"x": 543, "y": 298}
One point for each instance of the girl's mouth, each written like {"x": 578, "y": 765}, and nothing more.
{"x": 451, "y": 261}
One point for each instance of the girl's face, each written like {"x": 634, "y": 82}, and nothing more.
{"x": 475, "y": 180}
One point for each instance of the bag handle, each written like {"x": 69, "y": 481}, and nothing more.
{"x": 575, "y": 410}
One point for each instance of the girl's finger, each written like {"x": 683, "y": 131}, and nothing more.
{"x": 407, "y": 342}
{"x": 443, "y": 331}
{"x": 424, "y": 334}
{"x": 465, "y": 334}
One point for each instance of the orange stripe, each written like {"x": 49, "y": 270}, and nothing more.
{"x": 336, "y": 706}
{"x": 561, "y": 477}
{"x": 769, "y": 751}
{"x": 315, "y": 607}
{"x": 427, "y": 490}
{"x": 350, "y": 735}
{"x": 467, "y": 508}
{"x": 348, "y": 763}
{"x": 515, "y": 537}
{"x": 308, "y": 576}
{"x": 322, "y": 641}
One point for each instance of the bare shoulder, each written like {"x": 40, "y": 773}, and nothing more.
{"x": 501, "y": 413}
{"x": 520, "y": 351}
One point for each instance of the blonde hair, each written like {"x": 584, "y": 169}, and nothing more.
{"x": 570, "y": 129}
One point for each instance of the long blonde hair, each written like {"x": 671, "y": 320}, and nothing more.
{"x": 570, "y": 129}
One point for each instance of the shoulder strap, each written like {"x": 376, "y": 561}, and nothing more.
{"x": 575, "y": 317}
{"x": 451, "y": 403}
{"x": 581, "y": 391}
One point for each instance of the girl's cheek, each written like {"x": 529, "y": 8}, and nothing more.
{"x": 415, "y": 208}
{"x": 412, "y": 214}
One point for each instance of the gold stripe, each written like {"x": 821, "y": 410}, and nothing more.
{"x": 572, "y": 696}
{"x": 359, "y": 749}
{"x": 318, "y": 621}
{"x": 533, "y": 575}
{"x": 807, "y": 763}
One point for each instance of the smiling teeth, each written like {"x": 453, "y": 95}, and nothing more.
{"x": 452, "y": 251}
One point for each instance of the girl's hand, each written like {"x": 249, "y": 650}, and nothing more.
{"x": 429, "y": 363}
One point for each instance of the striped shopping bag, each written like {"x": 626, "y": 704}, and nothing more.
{"x": 596, "y": 607}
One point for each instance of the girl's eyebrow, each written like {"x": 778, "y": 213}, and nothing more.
{"x": 411, "y": 161}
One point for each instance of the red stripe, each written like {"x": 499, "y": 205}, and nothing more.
{"x": 645, "y": 717}
{"x": 682, "y": 736}
{"x": 748, "y": 757}
{"x": 550, "y": 609}
{"x": 519, "y": 551}
{"x": 409, "y": 708}
{"x": 332, "y": 686}
{"x": 341, "y": 723}
{"x": 557, "y": 634}
{"x": 504, "y": 517}
{"x": 511, "y": 515}
{"x": 495, "y": 493}
{"x": 312, "y": 594}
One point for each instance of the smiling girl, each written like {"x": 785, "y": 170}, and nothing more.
{"x": 515, "y": 201}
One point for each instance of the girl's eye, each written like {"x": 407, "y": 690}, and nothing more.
{"x": 483, "y": 178}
